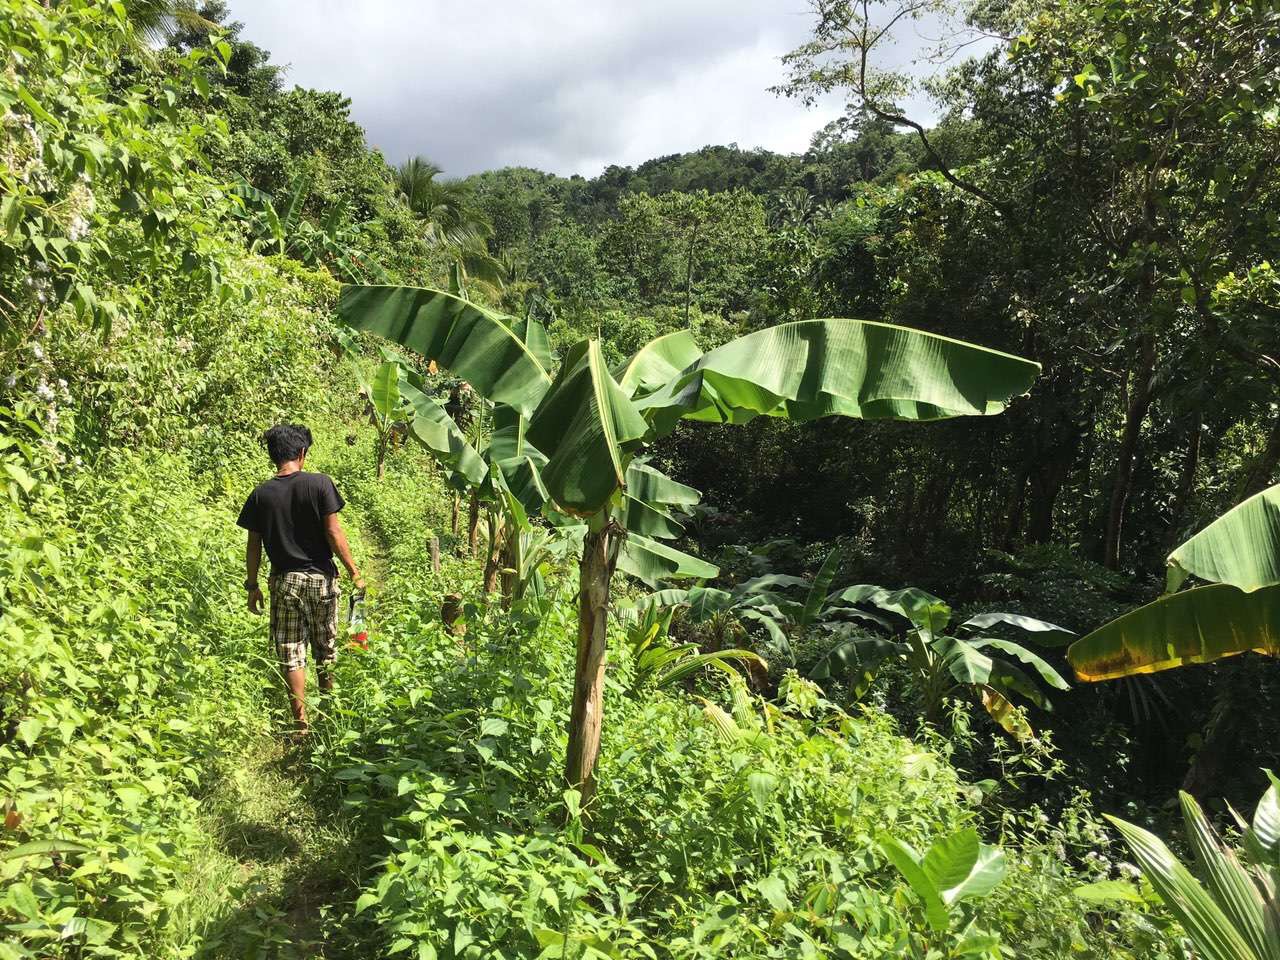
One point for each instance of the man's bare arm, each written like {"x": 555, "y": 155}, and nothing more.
{"x": 252, "y": 561}
{"x": 338, "y": 541}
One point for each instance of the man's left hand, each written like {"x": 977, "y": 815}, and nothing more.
{"x": 255, "y": 600}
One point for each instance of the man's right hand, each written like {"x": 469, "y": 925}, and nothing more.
{"x": 255, "y": 600}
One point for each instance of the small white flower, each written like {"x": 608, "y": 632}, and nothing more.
{"x": 78, "y": 228}
{"x": 11, "y": 381}
{"x": 1129, "y": 870}
{"x": 37, "y": 351}
{"x": 43, "y": 391}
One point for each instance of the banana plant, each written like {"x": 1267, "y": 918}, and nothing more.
{"x": 659, "y": 663}
{"x": 282, "y": 230}
{"x": 1233, "y": 911}
{"x": 591, "y": 422}
{"x": 943, "y": 662}
{"x": 1236, "y": 612}
{"x": 952, "y": 873}
{"x": 389, "y": 407}
{"x": 770, "y": 600}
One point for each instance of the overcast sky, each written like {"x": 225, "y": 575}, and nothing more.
{"x": 567, "y": 86}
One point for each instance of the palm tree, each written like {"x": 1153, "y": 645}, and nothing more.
{"x": 158, "y": 20}
{"x": 446, "y": 206}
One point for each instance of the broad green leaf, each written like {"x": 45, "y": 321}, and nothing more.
{"x": 1262, "y": 838}
{"x": 948, "y": 862}
{"x": 854, "y": 368}
{"x": 929, "y": 614}
{"x": 587, "y": 427}
{"x": 859, "y": 656}
{"x": 432, "y": 427}
{"x": 1204, "y": 922}
{"x": 385, "y": 390}
{"x": 651, "y": 561}
{"x": 1195, "y": 626}
{"x": 533, "y": 333}
{"x": 1241, "y": 547}
{"x": 657, "y": 363}
{"x": 985, "y": 876}
{"x": 774, "y": 890}
{"x": 762, "y": 786}
{"x": 692, "y": 663}
{"x": 971, "y": 667}
{"x": 474, "y": 343}
{"x": 37, "y": 848}
{"x": 1047, "y": 673}
{"x": 772, "y": 627}
{"x": 818, "y": 592}
{"x": 770, "y": 582}
{"x": 907, "y": 861}
{"x": 1047, "y": 634}
{"x": 1227, "y": 882}
{"x": 706, "y": 602}
{"x": 645, "y": 482}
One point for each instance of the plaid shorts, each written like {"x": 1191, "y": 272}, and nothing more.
{"x": 304, "y": 611}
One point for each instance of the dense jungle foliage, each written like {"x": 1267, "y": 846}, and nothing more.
{"x": 796, "y": 760}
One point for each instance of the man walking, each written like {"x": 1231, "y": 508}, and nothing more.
{"x": 295, "y": 515}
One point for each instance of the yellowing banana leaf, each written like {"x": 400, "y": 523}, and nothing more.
{"x": 472, "y": 342}
{"x": 1195, "y": 626}
{"x": 1241, "y": 547}
{"x": 854, "y": 368}
{"x": 651, "y": 561}
{"x": 657, "y": 363}
{"x": 588, "y": 428}
{"x": 1006, "y": 714}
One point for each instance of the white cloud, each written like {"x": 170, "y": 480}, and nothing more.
{"x": 568, "y": 86}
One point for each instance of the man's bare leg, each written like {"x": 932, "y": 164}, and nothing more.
{"x": 296, "y": 680}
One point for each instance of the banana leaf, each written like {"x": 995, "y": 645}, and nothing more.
{"x": 1195, "y": 626}
{"x": 1241, "y": 547}
{"x": 657, "y": 363}
{"x": 1016, "y": 650}
{"x": 859, "y": 656}
{"x": 971, "y": 667}
{"x": 588, "y": 428}
{"x": 385, "y": 389}
{"x": 1046, "y": 634}
{"x": 432, "y": 427}
{"x": 853, "y": 368}
{"x": 474, "y": 343}
{"x": 651, "y": 561}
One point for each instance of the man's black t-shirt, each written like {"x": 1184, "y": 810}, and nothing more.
{"x": 289, "y": 513}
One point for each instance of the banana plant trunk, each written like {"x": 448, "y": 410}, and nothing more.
{"x": 511, "y": 563}
{"x": 473, "y": 524}
{"x": 494, "y": 555}
{"x": 595, "y": 572}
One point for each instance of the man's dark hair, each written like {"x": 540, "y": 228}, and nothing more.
{"x": 286, "y": 441}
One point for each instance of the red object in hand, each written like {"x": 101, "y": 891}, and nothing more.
{"x": 360, "y": 640}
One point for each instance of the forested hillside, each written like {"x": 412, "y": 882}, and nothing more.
{"x": 871, "y": 587}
